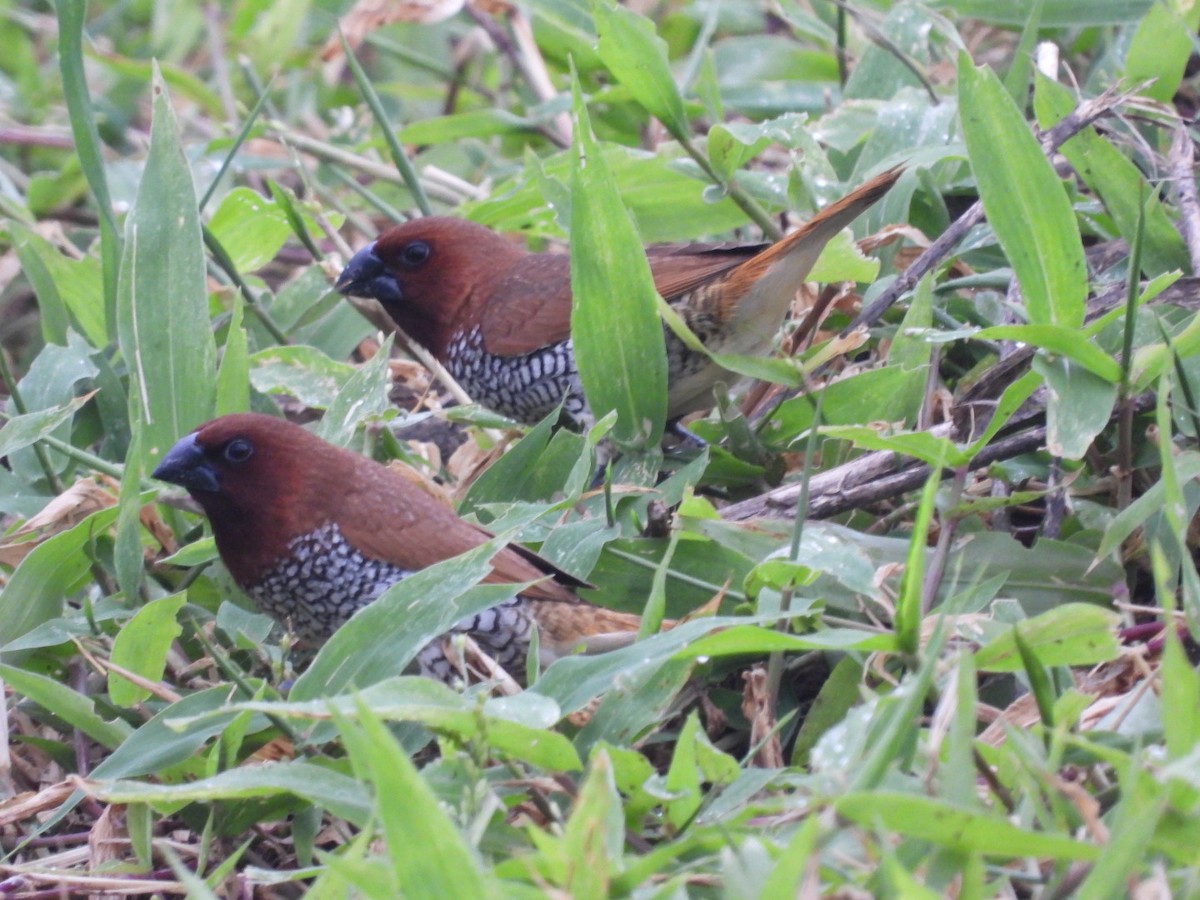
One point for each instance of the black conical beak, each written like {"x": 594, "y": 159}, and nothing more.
{"x": 186, "y": 465}
{"x": 367, "y": 276}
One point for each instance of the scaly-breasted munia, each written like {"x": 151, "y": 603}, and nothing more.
{"x": 498, "y": 317}
{"x": 313, "y": 533}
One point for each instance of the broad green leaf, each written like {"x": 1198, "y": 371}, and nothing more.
{"x": 141, "y": 647}
{"x": 683, "y": 778}
{"x": 965, "y": 829}
{"x": 21, "y": 431}
{"x": 429, "y": 856}
{"x": 51, "y": 572}
{"x": 157, "y": 745}
{"x": 478, "y": 123}
{"x": 1160, "y": 47}
{"x": 617, "y": 337}
{"x": 1117, "y": 181}
{"x": 164, "y": 331}
{"x": 889, "y": 394}
{"x": 301, "y": 372}
{"x": 340, "y": 794}
{"x": 663, "y": 201}
{"x": 732, "y": 144}
{"x": 1078, "y": 408}
{"x": 637, "y": 58}
{"x": 1025, "y": 202}
{"x": 250, "y": 227}
{"x": 594, "y": 835}
{"x": 513, "y": 726}
{"x": 69, "y": 291}
{"x": 879, "y": 74}
{"x": 56, "y": 374}
{"x": 67, "y": 703}
{"x": 1055, "y": 13}
{"x": 363, "y": 396}
{"x": 1059, "y": 341}
{"x": 1074, "y": 634}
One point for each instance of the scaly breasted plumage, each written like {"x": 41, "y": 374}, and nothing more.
{"x": 313, "y": 532}
{"x": 499, "y": 317}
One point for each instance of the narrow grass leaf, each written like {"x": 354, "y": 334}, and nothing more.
{"x": 1025, "y": 202}
{"x": 970, "y": 830}
{"x": 71, "y": 17}
{"x": 785, "y": 879}
{"x": 1040, "y": 683}
{"x": 1180, "y": 683}
{"x": 617, "y": 335}
{"x": 233, "y": 374}
{"x": 837, "y": 695}
{"x": 1017, "y": 81}
{"x": 907, "y": 620}
{"x": 403, "y": 165}
{"x": 1134, "y": 825}
{"x": 159, "y": 743}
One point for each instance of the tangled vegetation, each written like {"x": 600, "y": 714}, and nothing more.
{"x": 965, "y": 668}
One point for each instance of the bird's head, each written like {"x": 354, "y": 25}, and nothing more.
{"x": 430, "y": 274}
{"x": 259, "y": 479}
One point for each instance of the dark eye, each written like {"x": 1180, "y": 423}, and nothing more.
{"x": 238, "y": 450}
{"x": 414, "y": 253}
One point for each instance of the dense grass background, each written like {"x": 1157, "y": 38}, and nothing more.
{"x": 931, "y": 685}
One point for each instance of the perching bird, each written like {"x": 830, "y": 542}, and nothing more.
{"x": 499, "y": 317}
{"x": 313, "y": 533}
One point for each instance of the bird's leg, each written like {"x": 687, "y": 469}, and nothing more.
{"x": 687, "y": 438}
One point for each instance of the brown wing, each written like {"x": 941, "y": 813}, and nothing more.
{"x": 679, "y": 268}
{"x": 530, "y": 308}
{"x": 420, "y": 531}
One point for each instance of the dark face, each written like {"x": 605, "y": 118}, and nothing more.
{"x": 249, "y": 473}
{"x": 235, "y": 462}
{"x": 428, "y": 272}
